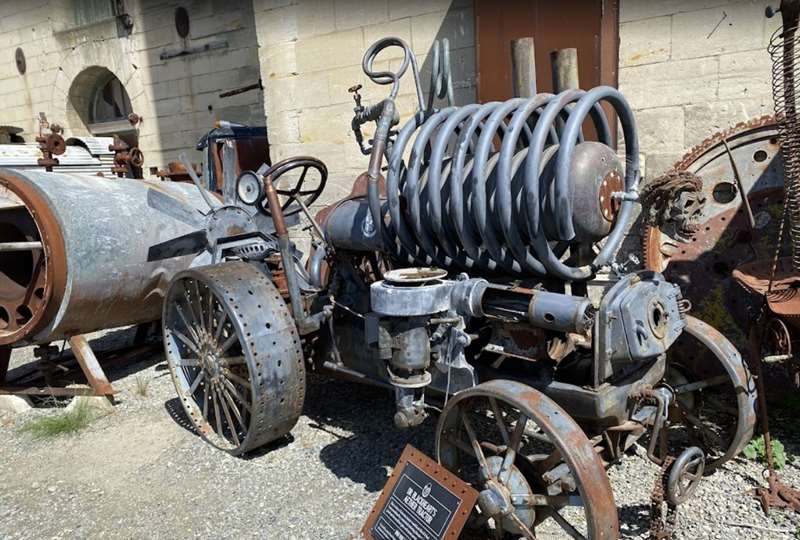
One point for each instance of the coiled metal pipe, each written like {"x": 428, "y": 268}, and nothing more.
{"x": 463, "y": 199}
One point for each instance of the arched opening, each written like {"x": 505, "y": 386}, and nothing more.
{"x": 98, "y": 105}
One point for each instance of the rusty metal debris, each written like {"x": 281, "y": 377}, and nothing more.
{"x": 720, "y": 236}
{"x": 176, "y": 172}
{"x": 128, "y": 161}
{"x": 51, "y": 144}
{"x": 774, "y": 286}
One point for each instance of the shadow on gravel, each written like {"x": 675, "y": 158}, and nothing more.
{"x": 178, "y": 414}
{"x": 371, "y": 442}
{"x": 634, "y": 520}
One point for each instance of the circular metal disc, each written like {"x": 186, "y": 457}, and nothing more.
{"x": 414, "y": 275}
{"x": 249, "y": 187}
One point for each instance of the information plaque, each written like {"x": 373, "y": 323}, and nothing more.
{"x": 421, "y": 501}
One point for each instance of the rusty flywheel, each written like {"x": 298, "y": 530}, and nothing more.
{"x": 746, "y": 158}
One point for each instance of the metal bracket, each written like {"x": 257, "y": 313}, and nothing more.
{"x": 90, "y": 366}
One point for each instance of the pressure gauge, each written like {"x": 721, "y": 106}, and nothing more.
{"x": 249, "y": 188}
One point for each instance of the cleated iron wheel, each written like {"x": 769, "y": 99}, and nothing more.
{"x": 714, "y": 407}
{"x": 234, "y": 354}
{"x": 532, "y": 465}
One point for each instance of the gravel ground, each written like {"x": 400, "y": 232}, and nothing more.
{"x": 142, "y": 473}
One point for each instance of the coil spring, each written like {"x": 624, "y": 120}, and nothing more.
{"x": 444, "y": 211}
{"x": 783, "y": 49}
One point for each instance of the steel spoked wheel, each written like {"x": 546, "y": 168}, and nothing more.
{"x": 531, "y": 463}
{"x": 714, "y": 405}
{"x": 234, "y": 354}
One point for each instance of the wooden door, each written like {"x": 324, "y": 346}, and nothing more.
{"x": 591, "y": 26}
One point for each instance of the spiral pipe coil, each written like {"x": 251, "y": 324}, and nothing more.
{"x": 454, "y": 202}
{"x": 783, "y": 48}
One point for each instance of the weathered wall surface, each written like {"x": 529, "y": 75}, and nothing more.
{"x": 310, "y": 53}
{"x": 690, "y": 68}
{"x": 177, "y": 98}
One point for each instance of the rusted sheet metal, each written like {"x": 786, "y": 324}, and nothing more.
{"x": 780, "y": 288}
{"x": 95, "y": 268}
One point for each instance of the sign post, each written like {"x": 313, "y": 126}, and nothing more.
{"x": 421, "y": 501}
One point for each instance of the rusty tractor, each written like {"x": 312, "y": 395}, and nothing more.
{"x": 465, "y": 281}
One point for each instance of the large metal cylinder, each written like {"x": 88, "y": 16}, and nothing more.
{"x": 95, "y": 267}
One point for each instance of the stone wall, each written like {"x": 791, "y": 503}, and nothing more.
{"x": 310, "y": 53}
{"x": 690, "y": 68}
{"x": 177, "y": 98}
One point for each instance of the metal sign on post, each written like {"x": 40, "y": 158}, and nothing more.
{"x": 421, "y": 501}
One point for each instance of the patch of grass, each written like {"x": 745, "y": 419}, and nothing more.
{"x": 60, "y": 423}
{"x": 756, "y": 450}
{"x": 142, "y": 386}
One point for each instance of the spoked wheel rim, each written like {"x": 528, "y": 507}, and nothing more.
{"x": 234, "y": 356}
{"x": 531, "y": 463}
{"x": 714, "y": 408}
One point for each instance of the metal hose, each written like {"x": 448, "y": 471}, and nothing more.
{"x": 456, "y": 202}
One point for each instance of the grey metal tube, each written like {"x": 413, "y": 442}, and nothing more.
{"x": 97, "y": 267}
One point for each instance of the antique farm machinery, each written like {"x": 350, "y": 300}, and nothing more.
{"x": 461, "y": 281}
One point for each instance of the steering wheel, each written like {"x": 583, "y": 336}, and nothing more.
{"x": 289, "y": 196}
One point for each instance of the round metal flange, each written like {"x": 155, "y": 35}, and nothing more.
{"x": 612, "y": 183}
{"x": 234, "y": 355}
{"x": 528, "y": 459}
{"x": 405, "y": 301}
{"x": 498, "y": 499}
{"x": 249, "y": 188}
{"x": 35, "y": 280}
{"x": 402, "y": 276}
{"x": 55, "y": 144}
{"x": 685, "y": 475}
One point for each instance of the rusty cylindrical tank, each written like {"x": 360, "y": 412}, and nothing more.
{"x": 95, "y": 267}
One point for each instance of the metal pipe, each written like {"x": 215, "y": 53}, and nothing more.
{"x": 282, "y": 233}
{"x": 20, "y": 246}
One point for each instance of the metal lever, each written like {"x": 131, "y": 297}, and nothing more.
{"x": 193, "y": 175}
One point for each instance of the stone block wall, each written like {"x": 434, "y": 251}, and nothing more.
{"x": 178, "y": 98}
{"x": 690, "y": 68}
{"x": 310, "y": 53}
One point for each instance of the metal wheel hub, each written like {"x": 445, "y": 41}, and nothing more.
{"x": 497, "y": 499}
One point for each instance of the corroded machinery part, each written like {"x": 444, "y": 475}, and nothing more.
{"x": 725, "y": 237}
{"x": 76, "y": 251}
